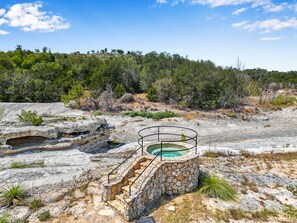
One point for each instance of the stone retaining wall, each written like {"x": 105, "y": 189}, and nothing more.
{"x": 167, "y": 177}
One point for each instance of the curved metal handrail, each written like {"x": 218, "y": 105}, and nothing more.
{"x": 165, "y": 141}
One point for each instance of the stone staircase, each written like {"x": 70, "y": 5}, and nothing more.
{"x": 122, "y": 198}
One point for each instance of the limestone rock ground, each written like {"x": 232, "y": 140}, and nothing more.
{"x": 70, "y": 184}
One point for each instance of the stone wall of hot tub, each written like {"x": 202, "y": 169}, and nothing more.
{"x": 172, "y": 176}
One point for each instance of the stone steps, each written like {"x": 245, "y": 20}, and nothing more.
{"x": 118, "y": 205}
{"x": 145, "y": 163}
{"x": 138, "y": 171}
{"x": 123, "y": 199}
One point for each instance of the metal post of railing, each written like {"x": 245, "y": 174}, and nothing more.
{"x": 141, "y": 145}
{"x": 108, "y": 179}
{"x": 161, "y": 150}
{"x": 158, "y": 133}
{"x": 196, "y": 145}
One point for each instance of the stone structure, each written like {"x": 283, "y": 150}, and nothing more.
{"x": 170, "y": 176}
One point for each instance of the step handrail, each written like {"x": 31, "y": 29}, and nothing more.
{"x": 142, "y": 173}
{"x": 117, "y": 167}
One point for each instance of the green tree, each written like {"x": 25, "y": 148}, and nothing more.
{"x": 119, "y": 90}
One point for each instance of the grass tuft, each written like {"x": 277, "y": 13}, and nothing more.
{"x": 44, "y": 216}
{"x": 97, "y": 113}
{"x": 216, "y": 154}
{"x": 13, "y": 195}
{"x": 291, "y": 212}
{"x": 217, "y": 187}
{"x": 152, "y": 115}
{"x": 21, "y": 165}
{"x": 4, "y": 219}
{"x": 35, "y": 204}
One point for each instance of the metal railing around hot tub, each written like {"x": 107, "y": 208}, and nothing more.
{"x": 183, "y": 138}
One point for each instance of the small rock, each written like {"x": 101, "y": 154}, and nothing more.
{"x": 78, "y": 209}
{"x": 78, "y": 194}
{"x": 97, "y": 202}
{"x": 106, "y": 212}
{"x": 19, "y": 213}
{"x": 171, "y": 208}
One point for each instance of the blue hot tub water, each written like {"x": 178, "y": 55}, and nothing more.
{"x": 169, "y": 150}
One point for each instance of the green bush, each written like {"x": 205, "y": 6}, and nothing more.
{"x": 4, "y": 219}
{"x": 183, "y": 137}
{"x": 119, "y": 90}
{"x": 152, "y": 115}
{"x": 13, "y": 195}
{"x": 152, "y": 94}
{"x": 216, "y": 187}
{"x": 30, "y": 117}
{"x": 282, "y": 100}
{"x": 44, "y": 216}
{"x": 35, "y": 204}
{"x": 74, "y": 94}
{"x": 20, "y": 165}
{"x": 97, "y": 113}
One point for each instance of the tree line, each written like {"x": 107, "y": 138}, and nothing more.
{"x": 43, "y": 76}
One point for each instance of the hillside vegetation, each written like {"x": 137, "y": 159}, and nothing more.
{"x": 43, "y": 76}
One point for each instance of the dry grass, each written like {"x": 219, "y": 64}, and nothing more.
{"x": 189, "y": 207}
{"x": 288, "y": 156}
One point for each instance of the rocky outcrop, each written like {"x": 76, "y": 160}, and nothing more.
{"x": 58, "y": 131}
{"x": 62, "y": 135}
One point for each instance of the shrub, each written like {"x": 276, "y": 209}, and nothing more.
{"x": 282, "y": 100}
{"x": 119, "y": 90}
{"x": 30, "y": 117}
{"x": 107, "y": 99}
{"x": 97, "y": 113}
{"x": 20, "y": 165}
{"x": 246, "y": 154}
{"x": 232, "y": 115}
{"x": 183, "y": 137}
{"x": 216, "y": 187}
{"x": 153, "y": 115}
{"x": 44, "y": 216}
{"x": 237, "y": 214}
{"x": 263, "y": 215}
{"x": 216, "y": 154}
{"x": 35, "y": 204}
{"x": 291, "y": 212}
{"x": 4, "y": 219}
{"x": 152, "y": 94}
{"x": 74, "y": 94}
{"x": 165, "y": 89}
{"x": 13, "y": 195}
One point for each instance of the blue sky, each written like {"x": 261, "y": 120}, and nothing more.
{"x": 262, "y": 33}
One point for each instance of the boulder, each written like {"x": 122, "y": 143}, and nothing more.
{"x": 127, "y": 98}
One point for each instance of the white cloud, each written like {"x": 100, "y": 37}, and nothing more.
{"x": 267, "y": 5}
{"x": 217, "y": 3}
{"x": 271, "y": 25}
{"x": 2, "y": 32}
{"x": 275, "y": 8}
{"x": 239, "y": 11}
{"x": 2, "y": 12}
{"x": 293, "y": 7}
{"x": 271, "y": 38}
{"x": 239, "y": 24}
{"x": 3, "y": 21}
{"x": 29, "y": 17}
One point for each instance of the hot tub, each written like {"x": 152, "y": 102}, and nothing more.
{"x": 168, "y": 150}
